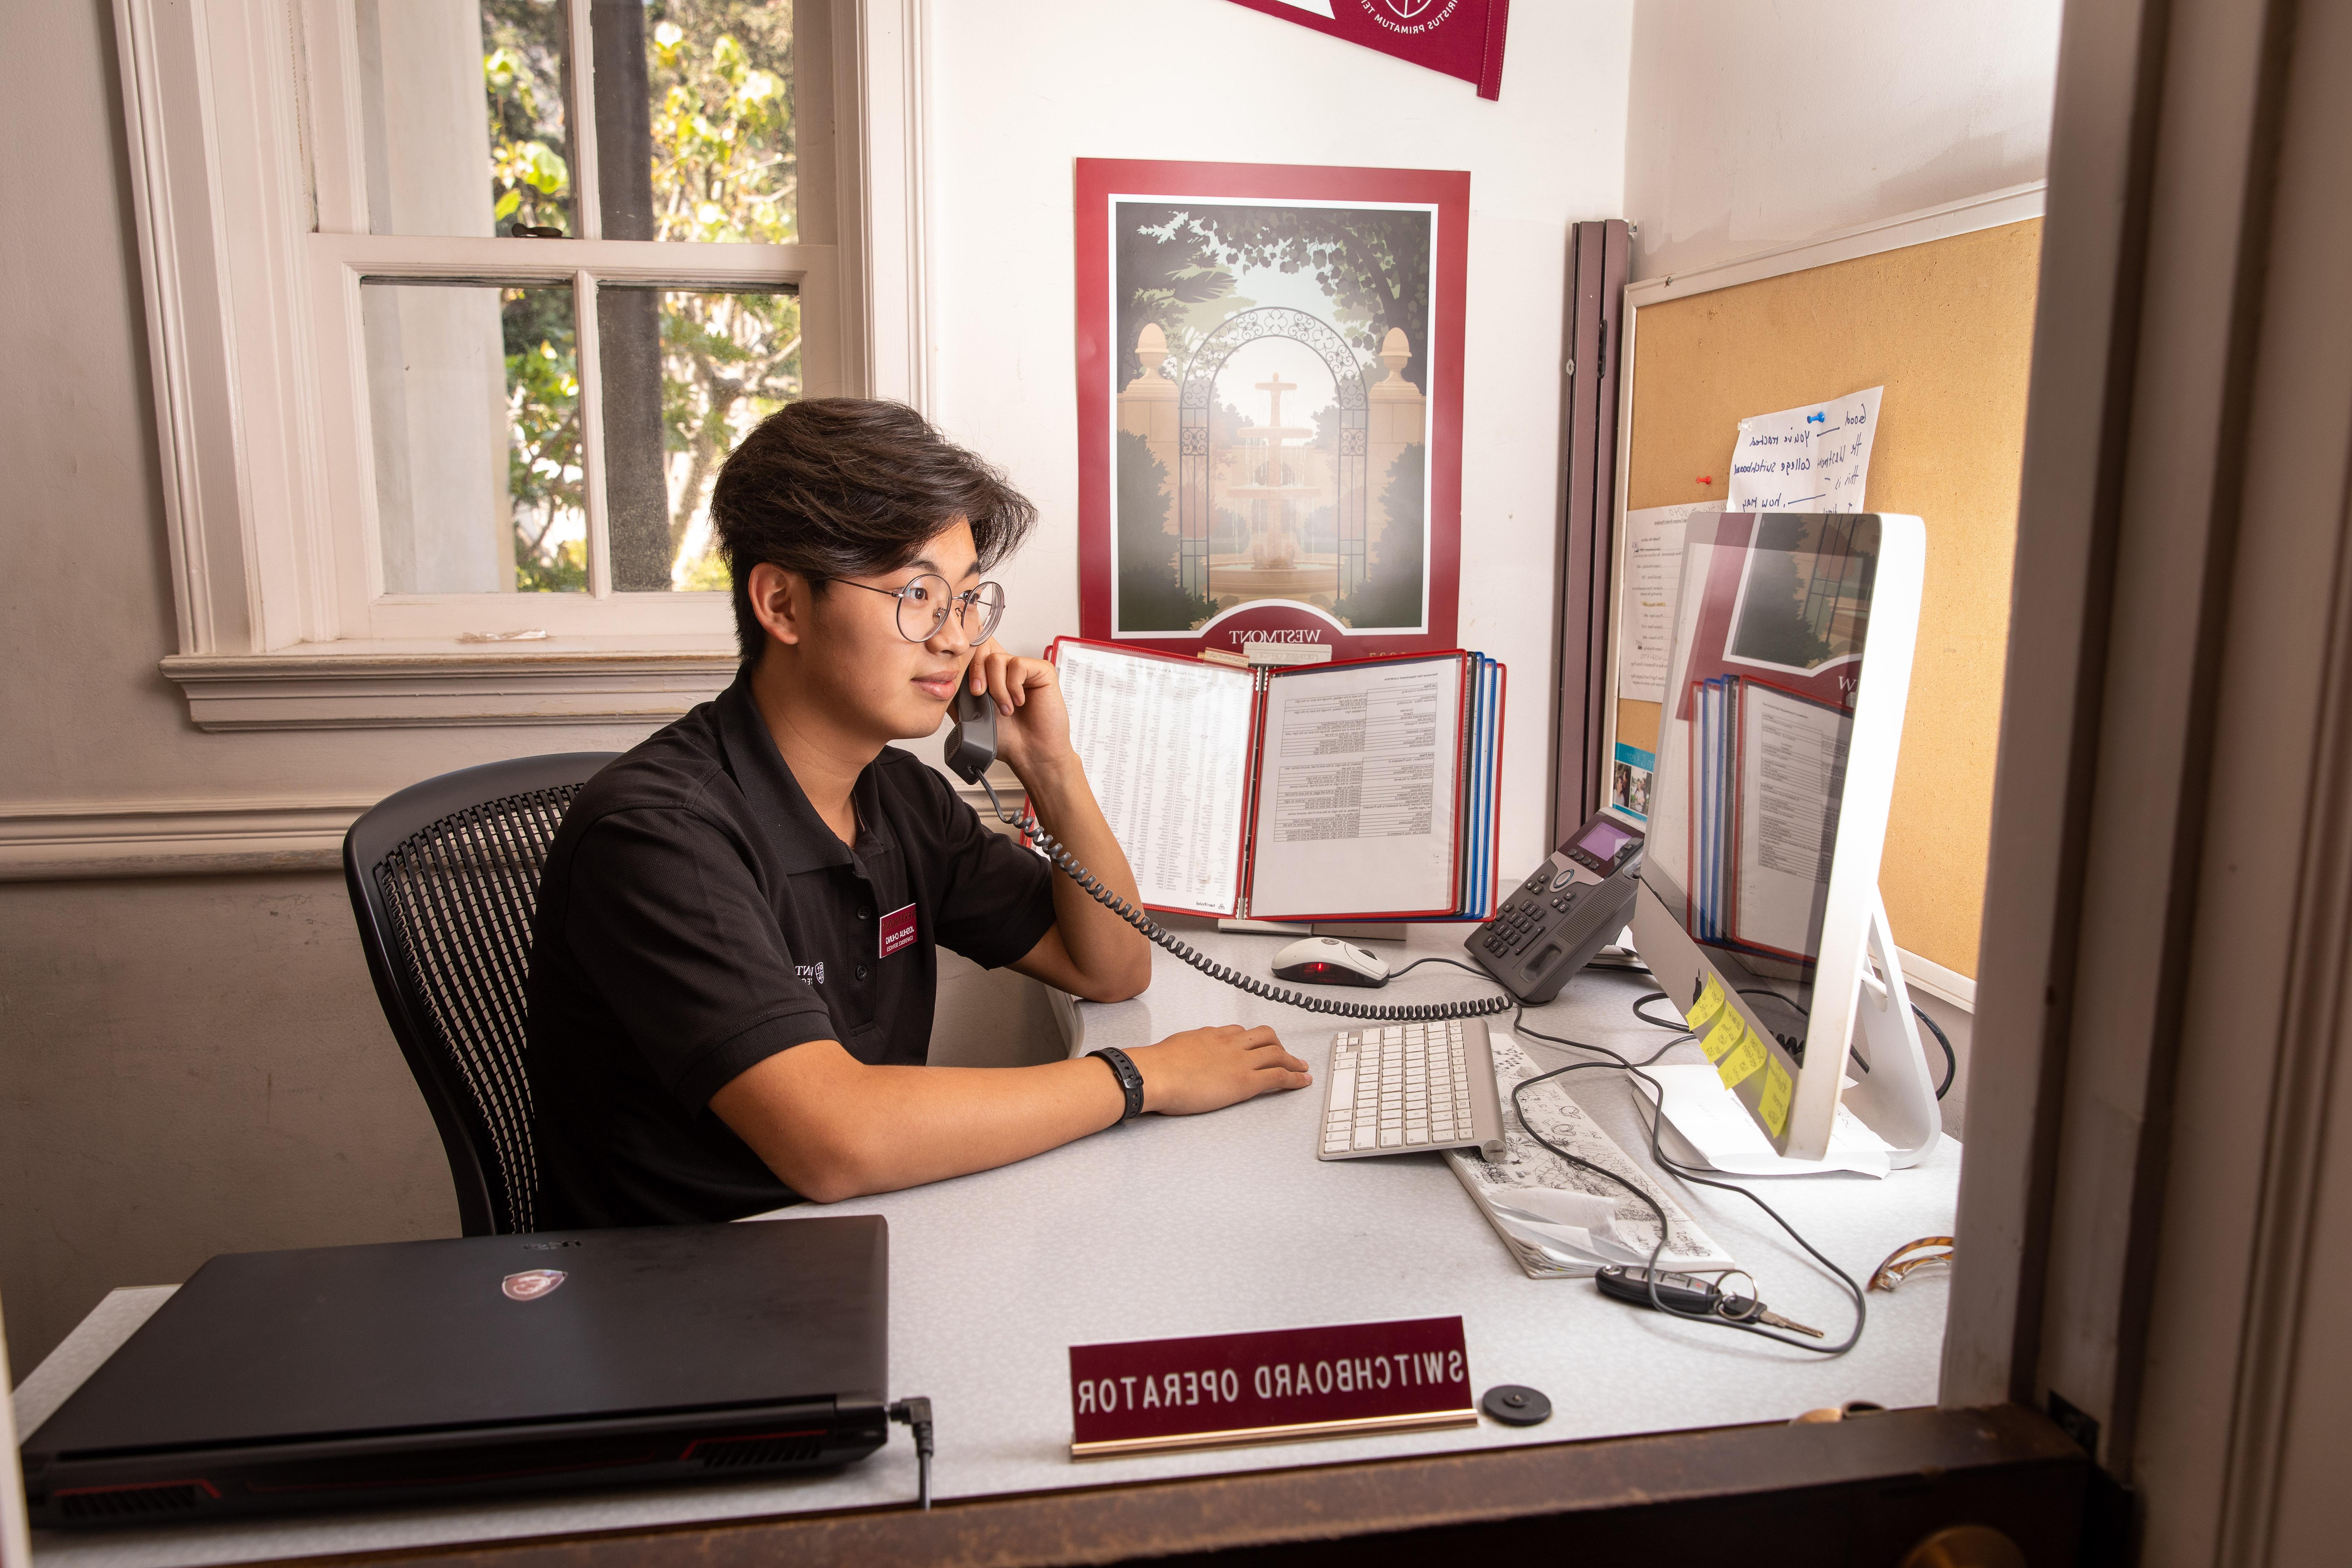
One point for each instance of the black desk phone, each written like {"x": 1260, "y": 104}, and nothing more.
{"x": 1574, "y": 903}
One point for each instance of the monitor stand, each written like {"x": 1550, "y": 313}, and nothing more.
{"x": 1897, "y": 1097}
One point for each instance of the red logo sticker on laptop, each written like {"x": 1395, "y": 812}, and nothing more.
{"x": 531, "y": 1284}
{"x": 897, "y": 930}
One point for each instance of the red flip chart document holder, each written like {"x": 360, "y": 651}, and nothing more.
{"x": 1229, "y": 787}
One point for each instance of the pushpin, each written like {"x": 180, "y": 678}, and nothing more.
{"x": 1707, "y": 479}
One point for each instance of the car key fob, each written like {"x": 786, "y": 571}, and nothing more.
{"x": 1690, "y": 1296}
{"x": 1685, "y": 1293}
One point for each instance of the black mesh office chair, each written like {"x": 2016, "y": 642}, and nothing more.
{"x": 444, "y": 878}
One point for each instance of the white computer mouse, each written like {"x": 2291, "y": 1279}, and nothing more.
{"x": 1327, "y": 961}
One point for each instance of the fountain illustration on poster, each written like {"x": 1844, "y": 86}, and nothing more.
{"x": 1283, "y": 479}
{"x": 1273, "y": 451}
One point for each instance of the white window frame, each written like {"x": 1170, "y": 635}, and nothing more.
{"x": 239, "y": 131}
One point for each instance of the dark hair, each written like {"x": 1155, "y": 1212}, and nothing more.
{"x": 844, "y": 487}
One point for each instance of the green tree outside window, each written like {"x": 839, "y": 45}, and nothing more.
{"x": 721, "y": 79}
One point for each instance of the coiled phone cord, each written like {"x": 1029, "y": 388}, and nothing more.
{"x": 1399, "y": 1013}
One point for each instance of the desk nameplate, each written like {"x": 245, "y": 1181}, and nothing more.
{"x": 1273, "y": 1387}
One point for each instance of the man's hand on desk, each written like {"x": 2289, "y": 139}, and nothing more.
{"x": 1208, "y": 1070}
{"x": 831, "y": 1127}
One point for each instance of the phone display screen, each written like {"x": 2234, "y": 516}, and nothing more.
{"x": 1604, "y": 839}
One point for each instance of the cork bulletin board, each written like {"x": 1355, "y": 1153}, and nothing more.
{"x": 1945, "y": 325}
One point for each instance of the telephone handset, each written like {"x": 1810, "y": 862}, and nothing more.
{"x": 971, "y": 739}
{"x": 971, "y": 750}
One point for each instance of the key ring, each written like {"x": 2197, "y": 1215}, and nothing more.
{"x": 1755, "y": 1297}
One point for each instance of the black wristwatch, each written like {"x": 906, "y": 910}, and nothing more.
{"x": 1131, "y": 1082}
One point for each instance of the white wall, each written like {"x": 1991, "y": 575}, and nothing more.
{"x": 1208, "y": 81}
{"x": 1755, "y": 126}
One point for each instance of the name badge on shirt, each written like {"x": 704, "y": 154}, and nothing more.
{"x": 897, "y": 930}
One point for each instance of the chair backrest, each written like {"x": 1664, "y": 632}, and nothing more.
{"x": 444, "y": 878}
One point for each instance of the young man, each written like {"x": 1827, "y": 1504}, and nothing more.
{"x": 733, "y": 968}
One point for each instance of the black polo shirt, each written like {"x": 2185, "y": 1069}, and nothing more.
{"x": 696, "y": 917}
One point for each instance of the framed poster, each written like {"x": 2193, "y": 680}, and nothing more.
{"x": 1269, "y": 405}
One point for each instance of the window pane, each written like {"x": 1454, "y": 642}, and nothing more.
{"x": 686, "y": 374}
{"x": 464, "y": 107}
{"x": 474, "y": 392}
{"x": 694, "y": 119}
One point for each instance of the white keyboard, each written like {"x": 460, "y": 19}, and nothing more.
{"x": 1400, "y": 1088}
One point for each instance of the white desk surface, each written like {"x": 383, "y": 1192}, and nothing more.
{"x": 1204, "y": 1225}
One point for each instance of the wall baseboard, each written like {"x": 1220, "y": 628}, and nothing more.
{"x": 1944, "y": 985}
{"x": 174, "y": 838}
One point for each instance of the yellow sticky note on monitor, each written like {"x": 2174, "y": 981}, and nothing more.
{"x": 1774, "y": 1105}
{"x": 1742, "y": 1064}
{"x": 1710, "y": 1002}
{"x": 1724, "y": 1037}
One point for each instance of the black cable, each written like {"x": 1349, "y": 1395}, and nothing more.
{"x": 915, "y": 1415}
{"x": 1395, "y": 1013}
{"x": 1519, "y": 1026}
{"x": 1675, "y": 1024}
{"x": 1951, "y": 1062}
{"x": 1682, "y": 1173}
{"x": 1436, "y": 958}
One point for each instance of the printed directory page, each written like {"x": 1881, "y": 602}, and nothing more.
{"x": 1358, "y": 787}
{"x": 1165, "y": 743}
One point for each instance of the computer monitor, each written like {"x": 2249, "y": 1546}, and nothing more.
{"x": 1759, "y": 909}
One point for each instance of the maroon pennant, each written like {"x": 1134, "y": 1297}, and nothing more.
{"x": 1460, "y": 38}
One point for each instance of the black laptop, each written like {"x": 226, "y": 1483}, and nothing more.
{"x": 440, "y": 1369}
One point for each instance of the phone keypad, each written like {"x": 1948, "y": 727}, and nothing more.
{"x": 1517, "y": 925}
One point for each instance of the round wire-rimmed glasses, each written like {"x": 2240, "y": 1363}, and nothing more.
{"x": 925, "y": 602}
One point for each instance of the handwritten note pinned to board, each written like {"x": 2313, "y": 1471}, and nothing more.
{"x": 1814, "y": 458}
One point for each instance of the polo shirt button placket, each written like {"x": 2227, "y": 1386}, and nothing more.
{"x": 863, "y": 971}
